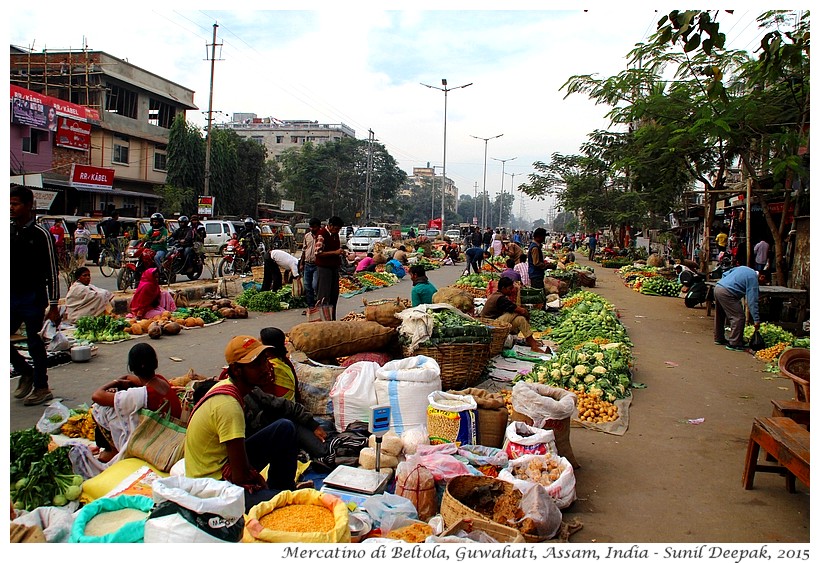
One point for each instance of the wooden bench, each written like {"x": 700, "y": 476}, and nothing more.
{"x": 798, "y": 411}
{"x": 787, "y": 442}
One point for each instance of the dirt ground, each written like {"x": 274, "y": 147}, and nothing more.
{"x": 665, "y": 480}
{"x": 670, "y": 481}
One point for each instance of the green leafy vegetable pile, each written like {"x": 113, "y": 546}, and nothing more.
{"x": 103, "y": 328}
{"x": 39, "y": 477}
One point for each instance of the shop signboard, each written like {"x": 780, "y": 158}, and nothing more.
{"x": 287, "y": 205}
{"x": 205, "y": 205}
{"x": 43, "y": 199}
{"x": 91, "y": 177}
{"x": 73, "y": 134}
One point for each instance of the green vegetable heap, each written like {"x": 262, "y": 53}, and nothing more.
{"x": 658, "y": 285}
{"x": 771, "y": 333}
{"x": 204, "y": 313}
{"x": 450, "y": 327}
{"x": 39, "y": 477}
{"x": 103, "y": 328}
{"x": 592, "y": 318}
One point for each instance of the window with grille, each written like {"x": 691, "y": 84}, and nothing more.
{"x": 119, "y": 154}
{"x": 160, "y": 114}
{"x": 160, "y": 158}
{"x": 122, "y": 101}
{"x": 31, "y": 144}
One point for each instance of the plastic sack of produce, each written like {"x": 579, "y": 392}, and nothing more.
{"x": 547, "y": 407}
{"x": 112, "y": 520}
{"x": 489, "y": 461}
{"x": 195, "y": 511}
{"x": 387, "y": 508}
{"x": 415, "y": 482}
{"x": 315, "y": 383}
{"x": 353, "y": 393}
{"x": 522, "y": 439}
{"x": 539, "y": 506}
{"x": 451, "y": 418}
{"x": 405, "y": 385}
{"x": 367, "y": 459}
{"x": 304, "y": 516}
{"x": 441, "y": 461}
{"x": 336, "y": 339}
{"x": 551, "y": 472}
{"x": 54, "y": 416}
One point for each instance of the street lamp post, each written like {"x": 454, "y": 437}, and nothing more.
{"x": 484, "y": 197}
{"x": 503, "y": 161}
{"x": 433, "y": 199}
{"x": 512, "y": 187}
{"x": 444, "y": 89}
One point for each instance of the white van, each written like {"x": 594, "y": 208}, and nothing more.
{"x": 217, "y": 234}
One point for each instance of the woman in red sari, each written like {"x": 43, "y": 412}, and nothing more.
{"x": 149, "y": 299}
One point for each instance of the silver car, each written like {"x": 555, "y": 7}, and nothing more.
{"x": 365, "y": 238}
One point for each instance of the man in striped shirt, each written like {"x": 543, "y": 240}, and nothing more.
{"x": 34, "y": 284}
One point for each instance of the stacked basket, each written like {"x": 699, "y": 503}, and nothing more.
{"x": 461, "y": 364}
{"x": 500, "y": 331}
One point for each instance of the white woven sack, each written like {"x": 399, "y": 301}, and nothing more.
{"x": 353, "y": 394}
{"x": 404, "y": 385}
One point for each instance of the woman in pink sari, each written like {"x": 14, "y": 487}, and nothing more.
{"x": 149, "y": 299}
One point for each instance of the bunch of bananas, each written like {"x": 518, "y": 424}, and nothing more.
{"x": 80, "y": 425}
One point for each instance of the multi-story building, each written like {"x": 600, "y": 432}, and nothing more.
{"x": 427, "y": 175}
{"x": 90, "y": 131}
{"x": 279, "y": 135}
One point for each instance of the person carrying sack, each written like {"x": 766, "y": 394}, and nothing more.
{"x": 215, "y": 443}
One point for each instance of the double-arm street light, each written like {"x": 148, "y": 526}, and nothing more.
{"x": 484, "y": 198}
{"x": 503, "y": 161}
{"x": 444, "y": 89}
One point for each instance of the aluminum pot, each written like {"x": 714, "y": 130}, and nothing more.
{"x": 80, "y": 353}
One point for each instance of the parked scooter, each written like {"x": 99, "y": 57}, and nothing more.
{"x": 237, "y": 258}
{"x": 138, "y": 258}
{"x": 192, "y": 268}
{"x": 696, "y": 282}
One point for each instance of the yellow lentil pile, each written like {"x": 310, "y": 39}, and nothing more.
{"x": 299, "y": 518}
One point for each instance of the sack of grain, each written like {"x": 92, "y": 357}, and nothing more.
{"x": 405, "y": 385}
{"x": 492, "y": 416}
{"x": 451, "y": 418}
{"x": 391, "y": 443}
{"x": 195, "y": 511}
{"x": 120, "y": 519}
{"x": 546, "y": 407}
{"x": 303, "y": 516}
{"x": 334, "y": 339}
{"x": 315, "y": 383}
{"x": 353, "y": 394}
{"x": 458, "y": 298}
{"x": 384, "y": 312}
{"x": 367, "y": 459}
{"x": 522, "y": 439}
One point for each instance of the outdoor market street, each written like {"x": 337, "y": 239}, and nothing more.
{"x": 667, "y": 479}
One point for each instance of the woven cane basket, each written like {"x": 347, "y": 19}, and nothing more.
{"x": 454, "y": 511}
{"x": 499, "y": 532}
{"x": 500, "y": 331}
{"x": 461, "y": 364}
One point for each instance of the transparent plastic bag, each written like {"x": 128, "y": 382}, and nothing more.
{"x": 54, "y": 416}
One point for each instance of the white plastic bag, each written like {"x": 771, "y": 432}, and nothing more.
{"x": 562, "y": 490}
{"x": 405, "y": 385}
{"x": 195, "y": 511}
{"x": 538, "y": 505}
{"x": 353, "y": 393}
{"x": 521, "y": 439}
{"x": 388, "y": 509}
{"x": 60, "y": 414}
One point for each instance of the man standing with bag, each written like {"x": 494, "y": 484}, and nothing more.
{"x": 328, "y": 262}
{"x": 34, "y": 284}
{"x": 308, "y": 261}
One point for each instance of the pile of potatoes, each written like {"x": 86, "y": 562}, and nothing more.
{"x": 163, "y": 324}
{"x": 226, "y": 308}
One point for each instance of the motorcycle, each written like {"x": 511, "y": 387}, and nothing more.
{"x": 137, "y": 259}
{"x": 698, "y": 290}
{"x": 238, "y": 259}
{"x": 192, "y": 268}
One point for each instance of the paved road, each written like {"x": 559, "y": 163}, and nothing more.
{"x": 665, "y": 480}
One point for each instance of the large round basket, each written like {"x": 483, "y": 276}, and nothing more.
{"x": 461, "y": 364}
{"x": 500, "y": 331}
{"x": 453, "y": 510}
{"x": 794, "y": 364}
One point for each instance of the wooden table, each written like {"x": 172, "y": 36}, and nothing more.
{"x": 770, "y": 292}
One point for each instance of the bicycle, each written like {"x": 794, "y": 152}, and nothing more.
{"x": 110, "y": 258}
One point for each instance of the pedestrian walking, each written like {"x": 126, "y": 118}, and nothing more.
{"x": 34, "y": 284}
{"x": 761, "y": 255}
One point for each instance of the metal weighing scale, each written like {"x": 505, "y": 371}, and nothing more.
{"x": 346, "y": 481}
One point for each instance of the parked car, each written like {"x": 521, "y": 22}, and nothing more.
{"x": 432, "y": 233}
{"x": 454, "y": 235}
{"x": 365, "y": 238}
{"x": 217, "y": 234}
{"x": 345, "y": 233}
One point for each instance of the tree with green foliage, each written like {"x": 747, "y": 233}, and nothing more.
{"x": 185, "y": 175}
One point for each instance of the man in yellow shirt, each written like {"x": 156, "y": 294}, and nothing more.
{"x": 722, "y": 240}
{"x": 215, "y": 444}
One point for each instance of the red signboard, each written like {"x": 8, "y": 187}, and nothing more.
{"x": 21, "y": 97}
{"x": 92, "y": 176}
{"x": 73, "y": 134}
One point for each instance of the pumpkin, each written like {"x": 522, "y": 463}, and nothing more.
{"x": 171, "y": 328}
{"x": 145, "y": 324}
{"x": 136, "y": 329}
{"x": 191, "y": 322}
{"x": 200, "y": 321}
{"x": 155, "y": 331}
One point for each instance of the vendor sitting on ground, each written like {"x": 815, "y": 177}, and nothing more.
{"x": 510, "y": 272}
{"x": 366, "y": 264}
{"x": 215, "y": 441}
{"x": 84, "y": 299}
{"x": 394, "y": 267}
{"x": 401, "y": 255}
{"x": 149, "y": 299}
{"x": 423, "y": 290}
{"x": 498, "y": 306}
{"x": 117, "y": 404}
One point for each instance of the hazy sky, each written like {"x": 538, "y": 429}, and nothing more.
{"x": 364, "y": 65}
